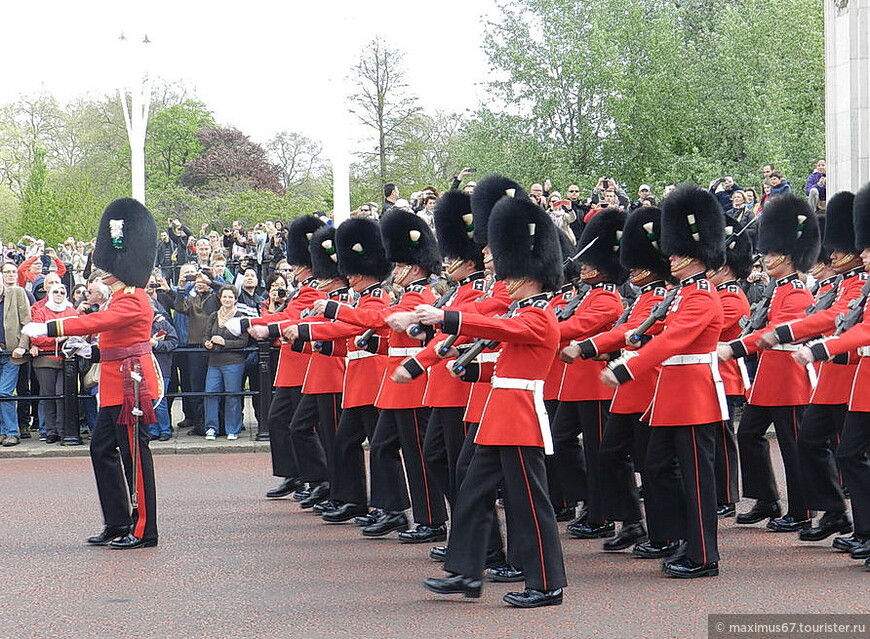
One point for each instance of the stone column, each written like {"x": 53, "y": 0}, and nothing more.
{"x": 847, "y": 93}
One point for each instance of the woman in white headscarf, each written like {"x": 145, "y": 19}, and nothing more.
{"x": 48, "y": 360}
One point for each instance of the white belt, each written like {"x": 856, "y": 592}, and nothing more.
{"x": 864, "y": 351}
{"x": 487, "y": 357}
{"x": 403, "y": 352}
{"x": 537, "y": 388}
{"x": 712, "y": 360}
{"x": 811, "y": 370}
{"x": 786, "y": 347}
{"x": 352, "y": 355}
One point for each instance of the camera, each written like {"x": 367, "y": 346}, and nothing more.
{"x": 153, "y": 285}
{"x": 93, "y": 308}
{"x": 472, "y": 171}
{"x": 189, "y": 278}
{"x": 282, "y": 292}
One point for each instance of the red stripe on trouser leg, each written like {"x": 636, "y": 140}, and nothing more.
{"x": 422, "y": 467}
{"x": 534, "y": 517}
{"x": 698, "y": 493}
{"x": 141, "y": 510}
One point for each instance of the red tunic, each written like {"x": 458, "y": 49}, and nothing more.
{"x": 735, "y": 307}
{"x": 442, "y": 389}
{"x": 325, "y": 373}
{"x": 685, "y": 395}
{"x": 390, "y": 394}
{"x": 600, "y": 308}
{"x": 634, "y": 396}
{"x": 835, "y": 380}
{"x": 554, "y": 377}
{"x": 779, "y": 381}
{"x": 125, "y": 322}
{"x": 363, "y": 374}
{"x": 528, "y": 339}
{"x": 856, "y": 337}
{"x": 291, "y": 364}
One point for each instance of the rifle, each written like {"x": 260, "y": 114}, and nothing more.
{"x": 478, "y": 346}
{"x": 657, "y": 314}
{"x": 418, "y": 328}
{"x": 451, "y": 339}
{"x": 855, "y": 314}
{"x": 758, "y": 313}
{"x": 567, "y": 311}
{"x": 826, "y": 300}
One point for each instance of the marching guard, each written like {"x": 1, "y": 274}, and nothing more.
{"x": 130, "y": 378}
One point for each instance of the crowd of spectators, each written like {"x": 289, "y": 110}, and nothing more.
{"x": 203, "y": 278}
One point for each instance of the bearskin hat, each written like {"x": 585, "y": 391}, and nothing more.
{"x": 409, "y": 240}
{"x": 789, "y": 227}
{"x": 604, "y": 253}
{"x": 738, "y": 248}
{"x": 570, "y": 268}
{"x": 693, "y": 225}
{"x": 642, "y": 241}
{"x": 324, "y": 256}
{"x": 824, "y": 252}
{"x": 126, "y": 242}
{"x": 486, "y": 194}
{"x": 839, "y": 227}
{"x": 525, "y": 243}
{"x": 360, "y": 248}
{"x": 299, "y": 237}
{"x": 454, "y": 227}
{"x": 861, "y": 215}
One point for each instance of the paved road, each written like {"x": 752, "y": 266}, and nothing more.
{"x": 233, "y": 565}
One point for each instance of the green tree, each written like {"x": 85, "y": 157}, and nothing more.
{"x": 172, "y": 141}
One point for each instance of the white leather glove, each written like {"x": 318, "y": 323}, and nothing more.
{"x": 234, "y": 325}
{"x": 35, "y": 329}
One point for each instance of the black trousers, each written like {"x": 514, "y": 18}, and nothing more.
{"x": 755, "y": 463}
{"x": 620, "y": 499}
{"x": 403, "y": 429}
{"x": 495, "y": 547}
{"x": 531, "y": 521}
{"x": 818, "y": 435}
{"x": 349, "y": 466}
{"x": 579, "y": 465}
{"x": 193, "y": 371}
{"x": 445, "y": 433}
{"x": 689, "y": 502}
{"x": 281, "y": 410}
{"x": 855, "y": 466}
{"x": 312, "y": 433}
{"x": 727, "y": 472}
{"x": 554, "y": 481}
{"x": 114, "y": 473}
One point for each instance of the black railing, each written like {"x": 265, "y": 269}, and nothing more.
{"x": 71, "y": 425}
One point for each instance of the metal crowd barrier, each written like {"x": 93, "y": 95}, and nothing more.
{"x": 71, "y": 428}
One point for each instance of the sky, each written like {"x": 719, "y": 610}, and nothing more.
{"x": 261, "y": 66}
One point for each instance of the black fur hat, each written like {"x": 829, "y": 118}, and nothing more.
{"x": 789, "y": 227}
{"x": 525, "y": 243}
{"x": 324, "y": 256}
{"x": 642, "y": 241}
{"x": 126, "y": 242}
{"x": 839, "y": 227}
{"x": 693, "y": 225}
{"x": 486, "y": 194}
{"x": 604, "y": 254}
{"x": 409, "y": 240}
{"x": 570, "y": 268}
{"x": 738, "y": 248}
{"x": 299, "y": 237}
{"x": 824, "y": 252}
{"x": 454, "y": 227}
{"x": 360, "y": 248}
{"x": 861, "y": 215}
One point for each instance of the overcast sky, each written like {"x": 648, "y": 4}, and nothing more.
{"x": 262, "y": 66}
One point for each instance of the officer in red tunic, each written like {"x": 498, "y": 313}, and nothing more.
{"x": 689, "y": 401}
{"x": 584, "y": 402}
{"x": 623, "y": 447}
{"x": 789, "y": 239}
{"x": 446, "y": 395}
{"x": 823, "y": 420}
{"x": 130, "y": 379}
{"x": 401, "y": 425}
{"x": 514, "y": 432}
{"x": 361, "y": 259}
{"x": 735, "y": 308}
